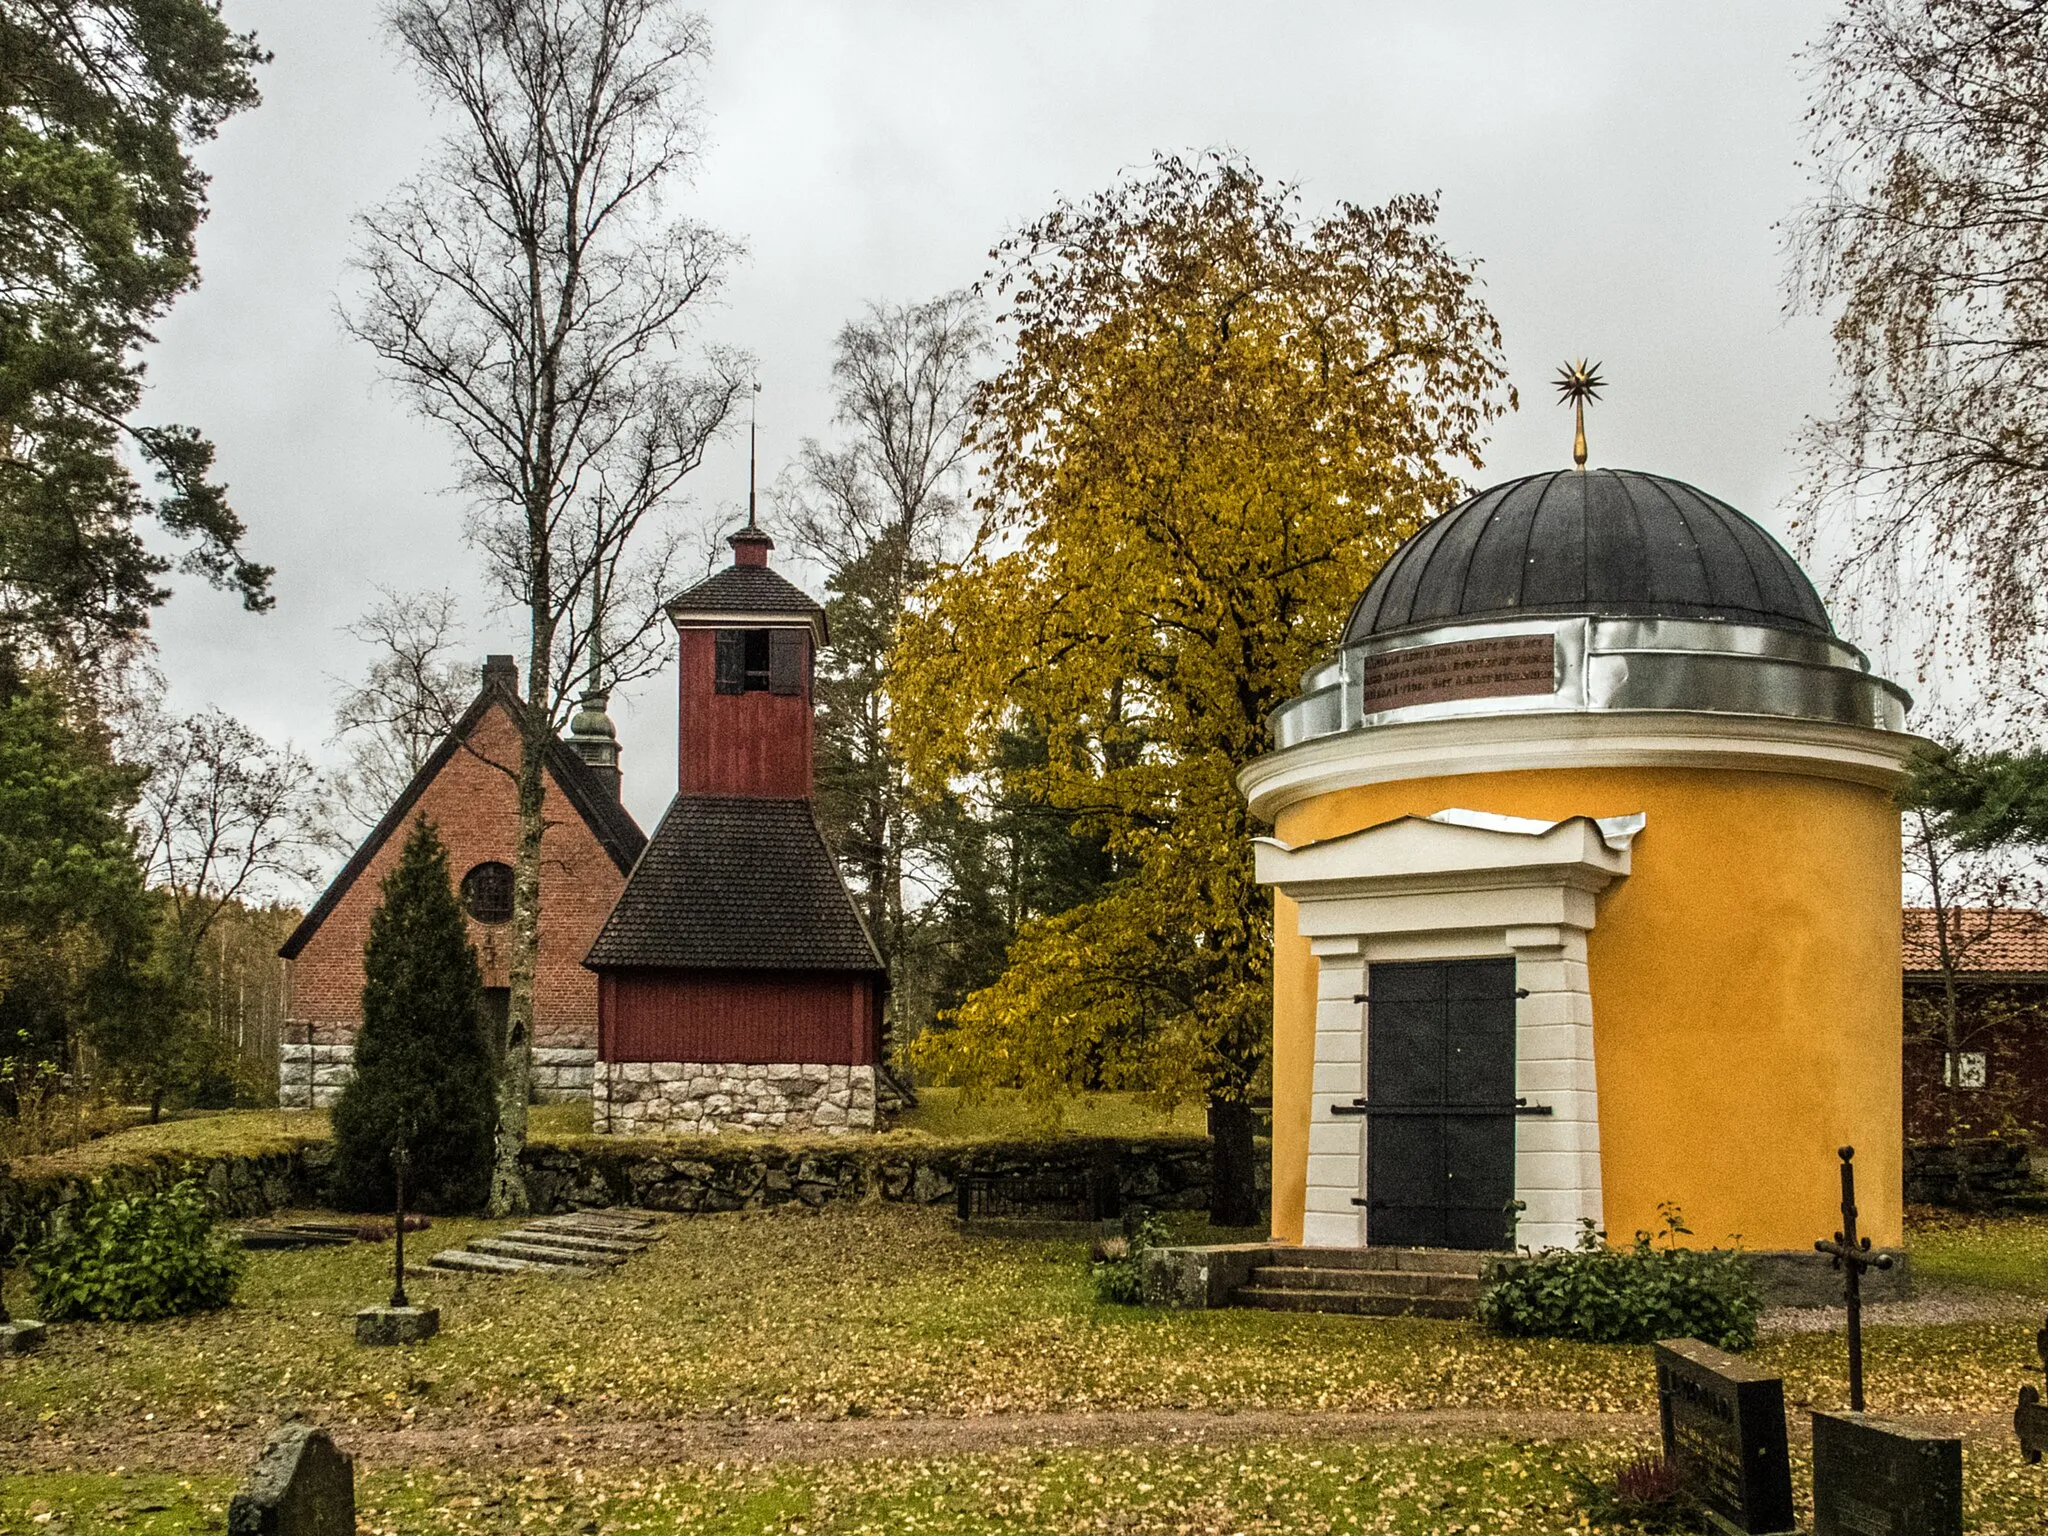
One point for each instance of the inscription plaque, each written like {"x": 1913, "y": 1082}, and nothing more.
{"x": 1875, "y": 1478}
{"x": 1724, "y": 1433}
{"x": 1503, "y": 666}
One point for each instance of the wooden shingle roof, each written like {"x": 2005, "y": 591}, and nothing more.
{"x": 735, "y": 883}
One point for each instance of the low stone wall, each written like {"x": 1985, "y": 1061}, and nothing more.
{"x": 729, "y": 1174}
{"x": 735, "y": 1173}
{"x": 703, "y": 1098}
{"x": 235, "y": 1185}
{"x": 1972, "y": 1175}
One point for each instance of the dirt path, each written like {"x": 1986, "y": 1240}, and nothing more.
{"x": 642, "y": 1443}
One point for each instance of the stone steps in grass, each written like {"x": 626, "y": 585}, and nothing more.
{"x": 577, "y": 1242}
{"x": 1366, "y": 1282}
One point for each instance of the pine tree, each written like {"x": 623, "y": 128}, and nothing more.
{"x": 423, "y": 1059}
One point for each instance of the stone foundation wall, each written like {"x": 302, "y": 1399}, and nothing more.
{"x": 561, "y": 1074}
{"x": 704, "y": 1098}
{"x": 310, "y": 1076}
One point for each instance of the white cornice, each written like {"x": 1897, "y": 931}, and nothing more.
{"x": 1592, "y": 739}
{"x": 711, "y": 618}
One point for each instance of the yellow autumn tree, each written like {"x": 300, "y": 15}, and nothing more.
{"x": 1221, "y": 415}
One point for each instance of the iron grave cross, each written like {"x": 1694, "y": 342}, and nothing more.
{"x": 1853, "y": 1256}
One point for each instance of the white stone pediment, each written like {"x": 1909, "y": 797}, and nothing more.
{"x": 1453, "y": 849}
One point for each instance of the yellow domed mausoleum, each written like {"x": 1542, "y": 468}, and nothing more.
{"x": 1586, "y": 879}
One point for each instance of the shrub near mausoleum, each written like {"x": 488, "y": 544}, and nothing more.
{"x": 1634, "y": 1295}
{"x": 136, "y": 1259}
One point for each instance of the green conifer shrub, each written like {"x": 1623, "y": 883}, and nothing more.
{"x": 423, "y": 1060}
{"x": 136, "y": 1259}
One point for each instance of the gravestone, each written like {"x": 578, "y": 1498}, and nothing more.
{"x": 2030, "y": 1419}
{"x": 1724, "y": 1433}
{"x": 1875, "y": 1478}
{"x": 300, "y": 1486}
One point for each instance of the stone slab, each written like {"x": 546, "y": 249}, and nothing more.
{"x": 1723, "y": 1424}
{"x": 477, "y": 1263}
{"x": 1200, "y": 1277}
{"x": 574, "y": 1242}
{"x": 397, "y": 1325}
{"x": 537, "y": 1253}
{"x": 1872, "y": 1477}
{"x": 301, "y": 1485}
{"x": 21, "y": 1336}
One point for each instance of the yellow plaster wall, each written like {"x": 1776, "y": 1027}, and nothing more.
{"x": 1746, "y": 994}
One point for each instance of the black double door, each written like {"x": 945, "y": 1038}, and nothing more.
{"x": 1440, "y": 1097}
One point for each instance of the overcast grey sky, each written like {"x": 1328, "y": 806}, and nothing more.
{"x": 1621, "y": 170}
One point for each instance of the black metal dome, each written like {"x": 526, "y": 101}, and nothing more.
{"x": 1608, "y": 542}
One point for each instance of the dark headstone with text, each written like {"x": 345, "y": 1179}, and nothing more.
{"x": 1875, "y": 1478}
{"x": 1724, "y": 1433}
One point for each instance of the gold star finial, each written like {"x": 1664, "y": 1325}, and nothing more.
{"x": 1577, "y": 383}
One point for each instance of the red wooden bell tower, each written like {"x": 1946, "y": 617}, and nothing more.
{"x": 748, "y": 639}
{"x": 738, "y": 988}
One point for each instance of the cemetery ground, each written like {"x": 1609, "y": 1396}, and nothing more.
{"x": 873, "y": 1368}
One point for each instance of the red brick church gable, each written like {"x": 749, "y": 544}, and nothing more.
{"x": 588, "y": 849}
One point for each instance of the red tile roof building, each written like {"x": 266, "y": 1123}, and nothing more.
{"x": 1991, "y": 1079}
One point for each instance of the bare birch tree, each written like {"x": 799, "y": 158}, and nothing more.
{"x": 1927, "y": 247}
{"x": 413, "y": 691}
{"x": 532, "y": 292}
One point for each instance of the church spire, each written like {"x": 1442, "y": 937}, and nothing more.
{"x": 750, "y": 545}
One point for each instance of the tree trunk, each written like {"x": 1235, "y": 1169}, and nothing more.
{"x": 1233, "y": 1187}
{"x": 515, "y": 1063}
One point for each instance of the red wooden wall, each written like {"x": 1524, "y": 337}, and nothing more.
{"x": 831, "y": 1017}
{"x": 755, "y": 744}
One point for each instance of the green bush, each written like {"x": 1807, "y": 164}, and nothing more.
{"x": 1633, "y": 1295}
{"x": 136, "y": 1259}
{"x": 1119, "y": 1263}
{"x": 424, "y": 1065}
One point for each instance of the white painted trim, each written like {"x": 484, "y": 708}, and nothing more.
{"x": 708, "y": 618}
{"x": 1436, "y": 888}
{"x": 1508, "y": 743}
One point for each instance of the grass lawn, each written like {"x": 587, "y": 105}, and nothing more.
{"x": 823, "y": 1327}
{"x": 874, "y": 1370}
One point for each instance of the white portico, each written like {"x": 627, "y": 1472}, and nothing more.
{"x": 1457, "y": 886}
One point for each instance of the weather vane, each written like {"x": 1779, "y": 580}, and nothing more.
{"x": 1577, "y": 383}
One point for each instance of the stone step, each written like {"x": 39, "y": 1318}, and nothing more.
{"x": 1366, "y": 1282}
{"x": 1351, "y": 1302}
{"x": 1440, "y": 1261}
{"x": 571, "y": 1242}
{"x": 535, "y": 1254}
{"x": 602, "y": 1222}
{"x": 477, "y": 1263}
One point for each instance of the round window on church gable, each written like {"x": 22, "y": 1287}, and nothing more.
{"x": 487, "y": 893}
